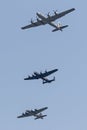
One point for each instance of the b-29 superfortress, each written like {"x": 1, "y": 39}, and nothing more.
{"x": 43, "y": 20}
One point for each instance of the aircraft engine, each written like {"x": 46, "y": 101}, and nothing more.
{"x": 48, "y": 14}
{"x": 45, "y": 71}
{"x": 41, "y": 72}
{"x": 35, "y": 109}
{"x": 32, "y": 21}
{"x": 32, "y": 75}
{"x": 55, "y": 12}
{"x": 23, "y": 114}
{"x": 38, "y": 19}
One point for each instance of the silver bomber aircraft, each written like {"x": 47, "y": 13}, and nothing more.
{"x": 42, "y": 76}
{"x": 42, "y": 20}
{"x": 36, "y": 113}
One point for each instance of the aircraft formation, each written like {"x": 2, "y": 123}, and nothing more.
{"x": 43, "y": 20}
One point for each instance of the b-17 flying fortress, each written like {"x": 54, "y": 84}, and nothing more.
{"x": 42, "y": 20}
{"x": 36, "y": 113}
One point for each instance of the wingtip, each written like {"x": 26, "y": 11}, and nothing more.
{"x": 22, "y": 28}
{"x": 67, "y": 25}
{"x": 56, "y": 70}
{"x": 46, "y": 107}
{"x": 73, "y": 9}
{"x": 25, "y": 78}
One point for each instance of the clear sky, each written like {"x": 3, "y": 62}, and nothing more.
{"x": 38, "y": 49}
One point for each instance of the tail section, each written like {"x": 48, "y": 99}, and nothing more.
{"x": 48, "y": 81}
{"x": 59, "y": 28}
{"x": 40, "y": 116}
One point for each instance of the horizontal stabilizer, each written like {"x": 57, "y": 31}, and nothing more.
{"x": 40, "y": 117}
{"x": 48, "y": 81}
{"x": 59, "y": 28}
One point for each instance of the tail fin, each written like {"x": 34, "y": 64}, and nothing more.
{"x": 54, "y": 78}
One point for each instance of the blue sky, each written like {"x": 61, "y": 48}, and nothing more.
{"x": 38, "y": 49}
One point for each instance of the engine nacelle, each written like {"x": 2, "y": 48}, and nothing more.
{"x": 38, "y": 19}
{"x": 55, "y": 12}
{"x": 48, "y": 15}
{"x": 32, "y": 21}
{"x": 33, "y": 75}
{"x": 23, "y": 114}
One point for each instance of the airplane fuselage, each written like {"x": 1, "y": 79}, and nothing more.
{"x": 45, "y": 20}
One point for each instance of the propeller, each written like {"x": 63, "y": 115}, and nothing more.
{"x": 28, "y": 76}
{"x": 54, "y": 78}
{"x": 45, "y": 71}
{"x": 27, "y": 110}
{"x": 32, "y": 21}
{"x": 40, "y": 72}
{"x": 48, "y": 14}
{"x": 35, "y": 109}
{"x": 32, "y": 75}
{"x": 37, "y": 19}
{"x": 55, "y": 12}
{"x": 22, "y": 113}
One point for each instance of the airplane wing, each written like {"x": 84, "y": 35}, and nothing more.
{"x": 31, "y": 77}
{"x": 66, "y": 12}
{"x": 34, "y": 24}
{"x": 24, "y": 115}
{"x": 46, "y": 73}
{"x": 59, "y": 15}
{"x": 40, "y": 110}
{"x": 55, "y": 16}
{"x": 29, "y": 113}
